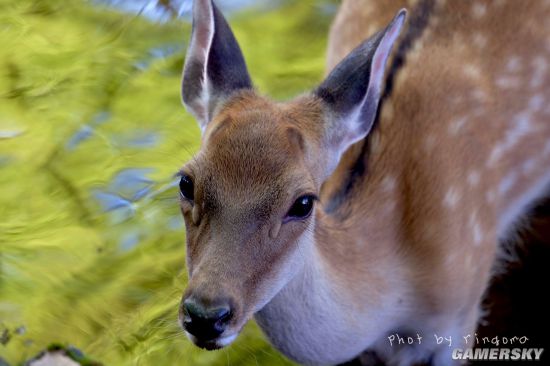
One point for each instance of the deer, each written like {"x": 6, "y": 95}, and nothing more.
{"x": 376, "y": 203}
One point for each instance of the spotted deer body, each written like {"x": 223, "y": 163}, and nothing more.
{"x": 422, "y": 148}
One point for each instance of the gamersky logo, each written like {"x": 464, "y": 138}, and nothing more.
{"x": 498, "y": 354}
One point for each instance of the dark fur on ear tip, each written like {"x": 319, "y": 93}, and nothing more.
{"x": 226, "y": 65}
{"x": 215, "y": 67}
{"x": 347, "y": 83}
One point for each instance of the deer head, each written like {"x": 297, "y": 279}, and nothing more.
{"x": 249, "y": 196}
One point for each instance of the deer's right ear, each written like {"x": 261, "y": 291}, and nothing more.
{"x": 352, "y": 91}
{"x": 214, "y": 64}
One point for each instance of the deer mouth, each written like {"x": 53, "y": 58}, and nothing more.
{"x": 212, "y": 344}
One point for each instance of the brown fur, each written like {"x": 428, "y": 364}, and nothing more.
{"x": 414, "y": 145}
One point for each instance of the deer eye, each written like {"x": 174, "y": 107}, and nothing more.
{"x": 186, "y": 187}
{"x": 302, "y": 207}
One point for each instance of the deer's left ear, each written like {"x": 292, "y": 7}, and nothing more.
{"x": 352, "y": 91}
{"x": 214, "y": 65}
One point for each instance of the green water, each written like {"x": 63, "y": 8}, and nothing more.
{"x": 91, "y": 132}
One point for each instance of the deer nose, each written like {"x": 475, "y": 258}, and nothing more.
{"x": 205, "y": 322}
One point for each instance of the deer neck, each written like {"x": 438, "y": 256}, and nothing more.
{"x": 323, "y": 310}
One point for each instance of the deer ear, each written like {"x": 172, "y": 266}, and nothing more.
{"x": 353, "y": 89}
{"x": 214, "y": 65}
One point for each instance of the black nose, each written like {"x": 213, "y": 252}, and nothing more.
{"x": 205, "y": 322}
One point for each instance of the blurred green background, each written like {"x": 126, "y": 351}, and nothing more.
{"x": 91, "y": 132}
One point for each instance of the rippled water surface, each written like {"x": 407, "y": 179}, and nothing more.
{"x": 91, "y": 132}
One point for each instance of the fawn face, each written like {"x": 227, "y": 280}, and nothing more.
{"x": 248, "y": 196}
{"x": 248, "y": 200}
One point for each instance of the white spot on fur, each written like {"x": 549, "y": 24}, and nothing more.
{"x": 513, "y": 64}
{"x": 480, "y": 40}
{"x": 473, "y": 178}
{"x": 374, "y": 141}
{"x": 507, "y": 82}
{"x": 476, "y": 229}
{"x": 521, "y": 127}
{"x": 478, "y": 10}
{"x": 472, "y": 71}
{"x": 507, "y": 183}
{"x": 388, "y": 183}
{"x": 540, "y": 66}
{"x": 414, "y": 53}
{"x": 496, "y": 154}
{"x": 536, "y": 102}
{"x": 456, "y": 125}
{"x": 389, "y": 207}
{"x": 478, "y": 235}
{"x": 451, "y": 198}
{"x": 450, "y": 258}
{"x": 387, "y": 111}
{"x": 429, "y": 143}
{"x": 455, "y": 100}
{"x": 479, "y": 95}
